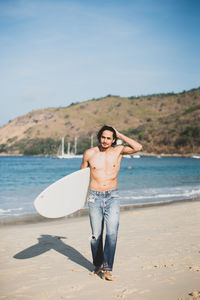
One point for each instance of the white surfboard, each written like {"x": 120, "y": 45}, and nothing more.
{"x": 64, "y": 196}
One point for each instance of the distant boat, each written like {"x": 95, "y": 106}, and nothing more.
{"x": 131, "y": 156}
{"x": 196, "y": 156}
{"x": 61, "y": 152}
{"x": 136, "y": 156}
{"x": 127, "y": 156}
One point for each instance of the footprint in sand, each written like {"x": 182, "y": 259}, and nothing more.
{"x": 195, "y": 295}
{"x": 142, "y": 257}
{"x": 76, "y": 288}
{"x": 144, "y": 292}
{"x": 157, "y": 266}
{"x": 125, "y": 292}
{"x": 194, "y": 268}
{"x": 146, "y": 267}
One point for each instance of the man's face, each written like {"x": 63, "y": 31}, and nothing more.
{"x": 107, "y": 139}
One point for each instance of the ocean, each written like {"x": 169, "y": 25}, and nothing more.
{"x": 141, "y": 181}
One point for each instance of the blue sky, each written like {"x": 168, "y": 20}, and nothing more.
{"x": 53, "y": 53}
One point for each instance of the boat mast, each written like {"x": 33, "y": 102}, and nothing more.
{"x": 62, "y": 149}
{"x": 68, "y": 148}
{"x": 75, "y": 145}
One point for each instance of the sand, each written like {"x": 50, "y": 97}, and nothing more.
{"x": 158, "y": 257}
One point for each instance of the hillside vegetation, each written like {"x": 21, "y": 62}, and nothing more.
{"x": 163, "y": 123}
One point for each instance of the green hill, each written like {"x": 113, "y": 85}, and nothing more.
{"x": 163, "y": 123}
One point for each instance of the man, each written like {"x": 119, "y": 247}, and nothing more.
{"x": 104, "y": 163}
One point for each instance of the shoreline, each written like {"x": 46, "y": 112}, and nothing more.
{"x": 31, "y": 218}
{"x": 141, "y": 154}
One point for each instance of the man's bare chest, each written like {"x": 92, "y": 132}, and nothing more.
{"x": 104, "y": 161}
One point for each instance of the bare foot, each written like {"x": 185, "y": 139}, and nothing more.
{"x": 96, "y": 271}
{"x": 108, "y": 276}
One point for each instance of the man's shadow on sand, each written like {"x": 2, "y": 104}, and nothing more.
{"x": 48, "y": 242}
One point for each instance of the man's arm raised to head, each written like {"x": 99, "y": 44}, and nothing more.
{"x": 132, "y": 147}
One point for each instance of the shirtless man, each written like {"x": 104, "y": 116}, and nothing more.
{"x": 103, "y": 201}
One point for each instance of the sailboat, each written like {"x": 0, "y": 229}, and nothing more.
{"x": 68, "y": 154}
{"x": 61, "y": 152}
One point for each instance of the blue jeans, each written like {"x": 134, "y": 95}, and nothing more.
{"x": 104, "y": 207}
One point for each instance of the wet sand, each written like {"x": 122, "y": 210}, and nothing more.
{"x": 157, "y": 258}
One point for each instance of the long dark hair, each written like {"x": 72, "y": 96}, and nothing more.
{"x": 105, "y": 127}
